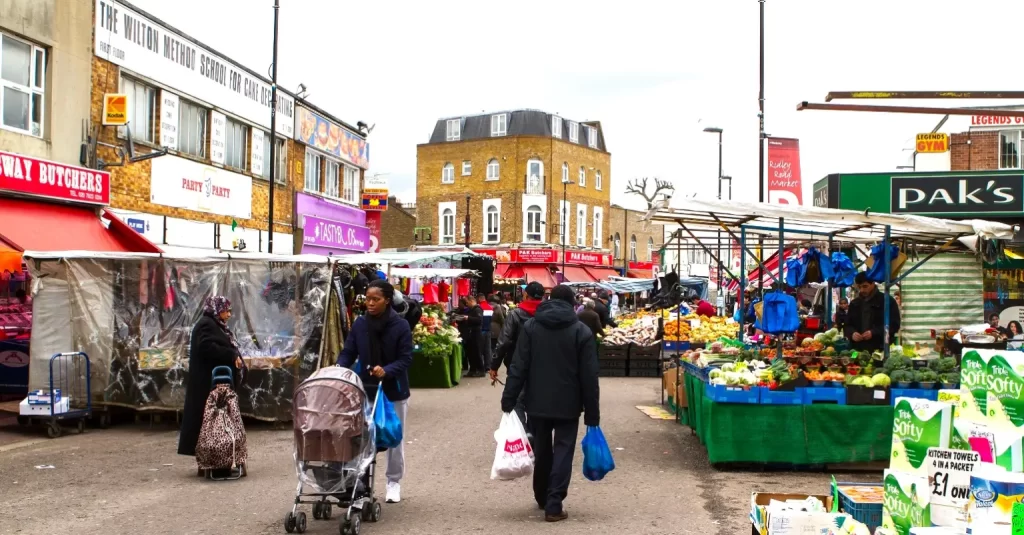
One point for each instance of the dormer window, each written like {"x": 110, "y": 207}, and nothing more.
{"x": 453, "y": 131}
{"x": 592, "y": 137}
{"x": 574, "y": 132}
{"x": 556, "y": 126}
{"x": 499, "y": 124}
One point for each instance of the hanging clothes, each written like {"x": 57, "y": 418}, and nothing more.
{"x": 444, "y": 291}
{"x": 430, "y": 296}
{"x": 462, "y": 287}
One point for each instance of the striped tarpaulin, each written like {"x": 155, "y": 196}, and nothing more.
{"x": 946, "y": 292}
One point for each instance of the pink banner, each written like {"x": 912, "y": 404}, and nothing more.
{"x": 784, "y": 185}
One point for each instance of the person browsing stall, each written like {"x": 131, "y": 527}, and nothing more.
{"x": 865, "y": 319}
{"x": 379, "y": 349}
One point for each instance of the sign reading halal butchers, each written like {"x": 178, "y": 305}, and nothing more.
{"x": 958, "y": 194}
{"x": 42, "y": 178}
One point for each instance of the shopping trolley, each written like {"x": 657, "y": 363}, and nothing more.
{"x": 70, "y": 395}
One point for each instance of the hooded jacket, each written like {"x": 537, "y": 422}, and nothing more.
{"x": 397, "y": 355}
{"x": 557, "y": 356}
{"x": 510, "y": 333}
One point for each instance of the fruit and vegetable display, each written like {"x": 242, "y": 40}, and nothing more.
{"x": 433, "y": 335}
{"x": 634, "y": 333}
{"x": 710, "y": 328}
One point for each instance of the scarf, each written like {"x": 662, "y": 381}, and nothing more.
{"x": 376, "y": 325}
{"x": 213, "y": 307}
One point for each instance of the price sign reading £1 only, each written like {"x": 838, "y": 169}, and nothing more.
{"x": 949, "y": 476}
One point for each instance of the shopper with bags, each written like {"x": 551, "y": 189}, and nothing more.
{"x": 379, "y": 349}
{"x": 556, "y": 361}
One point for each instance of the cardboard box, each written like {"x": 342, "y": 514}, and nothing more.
{"x": 759, "y": 517}
{"x": 681, "y": 400}
{"x": 27, "y": 409}
{"x": 668, "y": 382}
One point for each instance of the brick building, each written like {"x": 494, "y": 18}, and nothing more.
{"x": 212, "y": 115}
{"x": 531, "y": 183}
{"x": 397, "y": 225}
{"x": 634, "y": 243}
{"x": 991, "y": 143}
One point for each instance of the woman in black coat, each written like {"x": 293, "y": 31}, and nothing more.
{"x": 211, "y": 345}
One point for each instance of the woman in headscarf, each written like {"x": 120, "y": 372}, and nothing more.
{"x": 212, "y": 344}
{"x": 380, "y": 345}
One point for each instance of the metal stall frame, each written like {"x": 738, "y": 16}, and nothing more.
{"x": 703, "y": 219}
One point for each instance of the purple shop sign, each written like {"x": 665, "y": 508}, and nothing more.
{"x": 335, "y": 234}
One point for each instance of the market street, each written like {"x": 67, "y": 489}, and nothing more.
{"x": 119, "y": 481}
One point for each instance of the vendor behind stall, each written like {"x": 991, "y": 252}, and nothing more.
{"x": 702, "y": 307}
{"x": 865, "y": 322}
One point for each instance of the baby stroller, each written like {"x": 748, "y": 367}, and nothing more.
{"x": 335, "y": 450}
{"x": 221, "y": 451}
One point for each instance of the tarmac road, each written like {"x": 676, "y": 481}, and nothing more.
{"x": 128, "y": 479}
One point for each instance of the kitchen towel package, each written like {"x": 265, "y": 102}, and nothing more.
{"x": 993, "y": 493}
{"x": 974, "y": 384}
{"x": 906, "y": 502}
{"x": 918, "y": 424}
{"x": 1005, "y": 402}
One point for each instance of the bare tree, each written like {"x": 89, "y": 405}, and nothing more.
{"x": 638, "y": 186}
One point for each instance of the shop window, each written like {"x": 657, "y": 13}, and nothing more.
{"x": 499, "y": 124}
{"x": 1009, "y": 149}
{"x": 574, "y": 131}
{"x": 467, "y": 167}
{"x": 556, "y": 126}
{"x": 492, "y": 225}
{"x": 448, "y": 174}
{"x": 650, "y": 249}
{"x": 453, "y": 129}
{"x": 331, "y": 182}
{"x": 535, "y": 177}
{"x": 534, "y": 216}
{"x": 23, "y": 75}
{"x": 493, "y": 169}
{"x": 235, "y": 135}
{"x": 141, "y": 109}
{"x": 191, "y": 129}
{"x": 632, "y": 248}
{"x": 350, "y": 192}
{"x": 312, "y": 168}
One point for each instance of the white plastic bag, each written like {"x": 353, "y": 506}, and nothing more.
{"x": 513, "y": 457}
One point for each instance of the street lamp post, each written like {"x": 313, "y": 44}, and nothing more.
{"x": 273, "y": 138}
{"x": 712, "y": 130}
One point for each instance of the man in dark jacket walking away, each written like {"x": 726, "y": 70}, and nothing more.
{"x": 590, "y": 318}
{"x": 497, "y": 324}
{"x": 865, "y": 319}
{"x": 556, "y": 359}
{"x": 510, "y": 331}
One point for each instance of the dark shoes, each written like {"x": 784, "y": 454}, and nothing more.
{"x": 476, "y": 374}
{"x": 557, "y": 517}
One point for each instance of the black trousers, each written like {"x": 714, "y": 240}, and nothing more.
{"x": 471, "y": 357}
{"x": 554, "y": 444}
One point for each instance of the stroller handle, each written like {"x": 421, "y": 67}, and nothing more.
{"x": 222, "y": 375}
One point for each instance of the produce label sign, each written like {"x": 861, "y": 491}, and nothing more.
{"x": 949, "y": 475}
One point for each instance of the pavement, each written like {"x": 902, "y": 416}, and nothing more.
{"x": 128, "y": 479}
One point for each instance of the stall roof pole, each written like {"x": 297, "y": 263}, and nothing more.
{"x": 887, "y": 263}
{"x": 743, "y": 268}
{"x": 828, "y": 292}
{"x": 909, "y": 109}
{"x": 743, "y": 278}
{"x": 782, "y": 280}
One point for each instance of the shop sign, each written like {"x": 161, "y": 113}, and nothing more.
{"x": 191, "y": 185}
{"x": 530, "y": 256}
{"x": 169, "y": 120}
{"x": 996, "y": 120}
{"x": 43, "y": 178}
{"x": 373, "y": 223}
{"x": 932, "y": 143}
{"x": 335, "y": 234}
{"x": 588, "y": 259}
{"x": 256, "y": 159}
{"x": 375, "y": 202}
{"x": 641, "y": 266}
{"x": 376, "y": 184}
{"x": 784, "y": 183}
{"x": 115, "y": 109}
{"x": 125, "y": 37}
{"x": 320, "y": 133}
{"x": 821, "y": 195}
{"x": 218, "y": 137}
{"x": 957, "y": 194}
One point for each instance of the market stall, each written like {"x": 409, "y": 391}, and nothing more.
{"x": 834, "y": 407}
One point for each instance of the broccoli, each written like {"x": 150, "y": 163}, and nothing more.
{"x": 947, "y": 365}
{"x": 950, "y": 378}
{"x": 926, "y": 376}
{"x": 902, "y": 376}
{"x": 897, "y": 362}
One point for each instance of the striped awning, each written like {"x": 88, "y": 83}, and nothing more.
{"x": 946, "y": 292}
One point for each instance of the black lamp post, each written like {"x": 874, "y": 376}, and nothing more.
{"x": 712, "y": 130}
{"x": 273, "y": 138}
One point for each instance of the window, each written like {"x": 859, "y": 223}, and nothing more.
{"x": 23, "y": 75}
{"x": 453, "y": 129}
{"x": 592, "y": 137}
{"x": 650, "y": 249}
{"x": 583, "y": 177}
{"x": 632, "y": 248}
{"x": 499, "y": 124}
{"x": 581, "y": 225}
{"x": 312, "y": 168}
{"x": 618, "y": 246}
{"x": 492, "y": 223}
{"x": 281, "y": 174}
{"x": 556, "y": 126}
{"x": 535, "y": 177}
{"x": 574, "y": 132}
{"x": 448, "y": 174}
{"x": 448, "y": 226}
{"x": 331, "y": 182}
{"x": 235, "y": 154}
{"x": 350, "y": 189}
{"x": 141, "y": 109}
{"x": 597, "y": 180}
{"x": 565, "y": 173}
{"x": 191, "y": 129}
{"x": 467, "y": 167}
{"x": 493, "y": 169}
{"x": 1009, "y": 149}
{"x": 563, "y": 222}
{"x": 598, "y": 213}
{"x": 533, "y": 222}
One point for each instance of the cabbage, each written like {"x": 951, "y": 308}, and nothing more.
{"x": 881, "y": 379}
{"x": 714, "y": 374}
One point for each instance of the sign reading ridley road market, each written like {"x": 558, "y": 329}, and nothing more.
{"x": 957, "y": 194}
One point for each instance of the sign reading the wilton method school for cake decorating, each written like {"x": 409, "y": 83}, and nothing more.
{"x": 949, "y": 474}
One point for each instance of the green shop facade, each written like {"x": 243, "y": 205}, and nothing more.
{"x": 952, "y": 289}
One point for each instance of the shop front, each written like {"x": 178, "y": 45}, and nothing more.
{"x": 330, "y": 228}
{"x": 589, "y": 266}
{"x": 47, "y": 206}
{"x": 545, "y": 265}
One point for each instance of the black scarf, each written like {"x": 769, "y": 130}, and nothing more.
{"x": 376, "y": 325}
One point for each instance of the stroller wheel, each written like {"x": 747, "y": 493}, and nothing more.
{"x": 375, "y": 511}
{"x": 326, "y": 511}
{"x": 289, "y": 522}
{"x": 300, "y": 522}
{"x": 317, "y": 515}
{"x": 350, "y": 526}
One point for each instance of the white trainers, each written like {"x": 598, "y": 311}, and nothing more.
{"x": 394, "y": 493}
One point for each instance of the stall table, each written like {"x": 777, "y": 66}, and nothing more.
{"x": 800, "y": 435}
{"x": 436, "y": 372}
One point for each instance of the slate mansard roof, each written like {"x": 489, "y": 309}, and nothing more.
{"x": 520, "y": 123}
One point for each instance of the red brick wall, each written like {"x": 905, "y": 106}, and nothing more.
{"x": 974, "y": 151}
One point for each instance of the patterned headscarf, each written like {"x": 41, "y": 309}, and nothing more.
{"x": 213, "y": 307}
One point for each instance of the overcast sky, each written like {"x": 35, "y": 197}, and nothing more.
{"x": 654, "y": 73}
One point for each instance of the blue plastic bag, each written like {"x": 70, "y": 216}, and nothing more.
{"x": 795, "y": 274}
{"x": 385, "y": 420}
{"x": 779, "y": 314}
{"x": 843, "y": 270}
{"x": 597, "y": 458}
{"x": 877, "y": 271}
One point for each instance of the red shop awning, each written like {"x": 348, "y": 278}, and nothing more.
{"x": 634, "y": 274}
{"x": 38, "y": 226}
{"x": 601, "y": 273}
{"x": 772, "y": 264}
{"x": 577, "y": 274}
{"x": 538, "y": 273}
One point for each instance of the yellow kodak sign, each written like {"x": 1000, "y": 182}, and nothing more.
{"x": 115, "y": 109}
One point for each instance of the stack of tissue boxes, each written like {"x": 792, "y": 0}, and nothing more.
{"x": 38, "y": 403}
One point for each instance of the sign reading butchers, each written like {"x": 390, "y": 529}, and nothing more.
{"x": 129, "y": 39}
{"x": 958, "y": 194}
